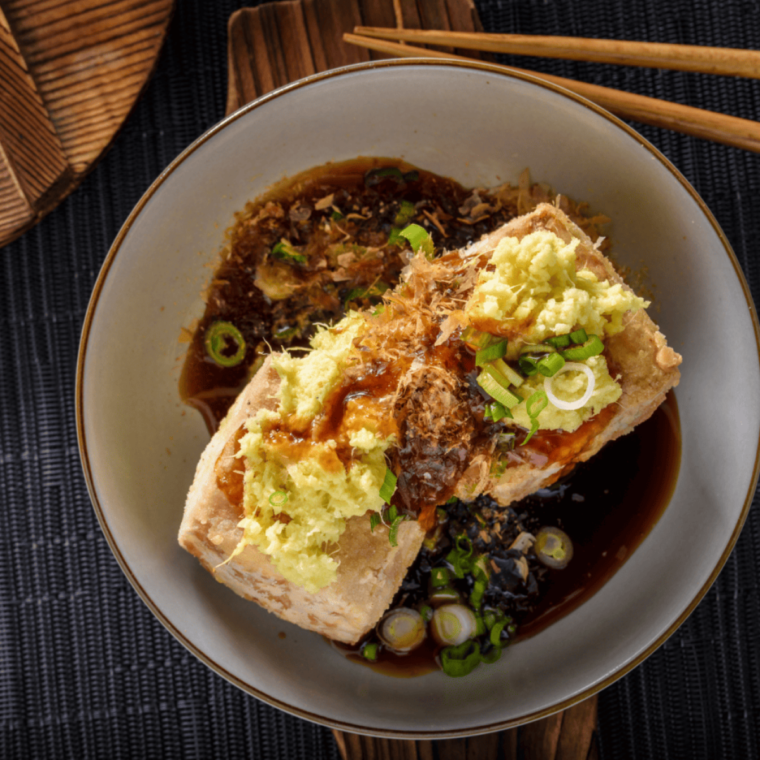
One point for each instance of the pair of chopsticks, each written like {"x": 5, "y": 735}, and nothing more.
{"x": 729, "y": 130}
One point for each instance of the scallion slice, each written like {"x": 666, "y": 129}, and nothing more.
{"x": 220, "y": 338}
{"x": 537, "y": 348}
{"x": 476, "y": 597}
{"x": 278, "y": 498}
{"x": 369, "y": 651}
{"x": 393, "y": 532}
{"x": 475, "y": 338}
{"x": 536, "y": 404}
{"x": 491, "y": 656}
{"x": 490, "y": 353}
{"x": 460, "y": 660}
{"x": 578, "y": 336}
{"x": 419, "y": 238}
{"x": 388, "y": 487}
{"x": 513, "y": 377}
{"x": 550, "y": 365}
{"x": 528, "y": 364}
{"x": 440, "y": 576}
{"x": 284, "y": 250}
{"x": 374, "y": 521}
{"x": 495, "y": 635}
{"x": 405, "y": 213}
{"x": 592, "y": 347}
{"x": 493, "y": 383}
{"x": 559, "y": 341}
{"x": 583, "y": 400}
{"x": 496, "y": 411}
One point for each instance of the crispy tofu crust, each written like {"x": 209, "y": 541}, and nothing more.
{"x": 370, "y": 570}
{"x": 647, "y": 368}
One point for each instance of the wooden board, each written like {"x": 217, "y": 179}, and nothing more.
{"x": 277, "y": 43}
{"x": 70, "y": 72}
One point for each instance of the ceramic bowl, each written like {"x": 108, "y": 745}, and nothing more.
{"x": 482, "y": 126}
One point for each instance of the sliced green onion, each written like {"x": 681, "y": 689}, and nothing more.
{"x": 453, "y": 624}
{"x": 533, "y": 431}
{"x": 440, "y": 576}
{"x": 284, "y": 250}
{"x": 513, "y": 377}
{"x": 490, "y": 617}
{"x": 388, "y": 487}
{"x": 412, "y": 176}
{"x": 536, "y": 404}
{"x": 481, "y": 626}
{"x": 559, "y": 341}
{"x": 554, "y": 548}
{"x": 475, "y": 338}
{"x": 592, "y": 347}
{"x": 496, "y": 411}
{"x": 478, "y": 590}
{"x": 336, "y": 216}
{"x": 480, "y": 569}
{"x": 369, "y": 651}
{"x": 460, "y": 557}
{"x": 492, "y": 382}
{"x": 402, "y": 630}
{"x": 218, "y": 338}
{"x": 278, "y": 498}
{"x": 495, "y": 635}
{"x": 286, "y": 333}
{"x": 528, "y": 364}
{"x": 374, "y": 176}
{"x": 405, "y": 213}
{"x": 373, "y": 291}
{"x": 578, "y": 403}
{"x": 460, "y": 660}
{"x": 445, "y": 595}
{"x": 393, "y": 532}
{"x": 537, "y": 348}
{"x": 374, "y": 521}
{"x": 427, "y": 612}
{"x": 395, "y": 238}
{"x": 550, "y": 365}
{"x": 392, "y": 513}
{"x": 452, "y": 500}
{"x": 579, "y": 336}
{"x": 419, "y": 238}
{"x": 491, "y": 656}
{"x": 491, "y": 352}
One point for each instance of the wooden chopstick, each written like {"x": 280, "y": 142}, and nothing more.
{"x": 707, "y": 60}
{"x": 728, "y": 130}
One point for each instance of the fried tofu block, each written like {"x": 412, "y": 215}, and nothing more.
{"x": 639, "y": 357}
{"x": 370, "y": 570}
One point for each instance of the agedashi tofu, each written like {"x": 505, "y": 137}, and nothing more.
{"x": 489, "y": 370}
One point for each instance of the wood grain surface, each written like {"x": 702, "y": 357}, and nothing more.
{"x": 270, "y": 46}
{"x": 70, "y": 72}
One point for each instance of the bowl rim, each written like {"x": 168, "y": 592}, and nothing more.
{"x": 80, "y": 406}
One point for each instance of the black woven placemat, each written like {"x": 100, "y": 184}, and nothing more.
{"x": 85, "y": 670}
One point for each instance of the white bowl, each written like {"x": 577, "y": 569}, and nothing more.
{"x": 139, "y": 444}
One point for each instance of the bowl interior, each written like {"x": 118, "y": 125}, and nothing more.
{"x": 482, "y": 127}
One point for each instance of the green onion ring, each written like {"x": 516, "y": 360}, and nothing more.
{"x": 460, "y": 660}
{"x": 278, "y": 499}
{"x": 218, "y": 337}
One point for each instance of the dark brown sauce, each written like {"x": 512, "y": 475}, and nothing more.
{"x": 234, "y": 297}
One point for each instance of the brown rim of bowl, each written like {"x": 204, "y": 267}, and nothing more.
{"x": 392, "y": 734}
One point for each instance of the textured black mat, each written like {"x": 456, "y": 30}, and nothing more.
{"x": 85, "y": 670}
